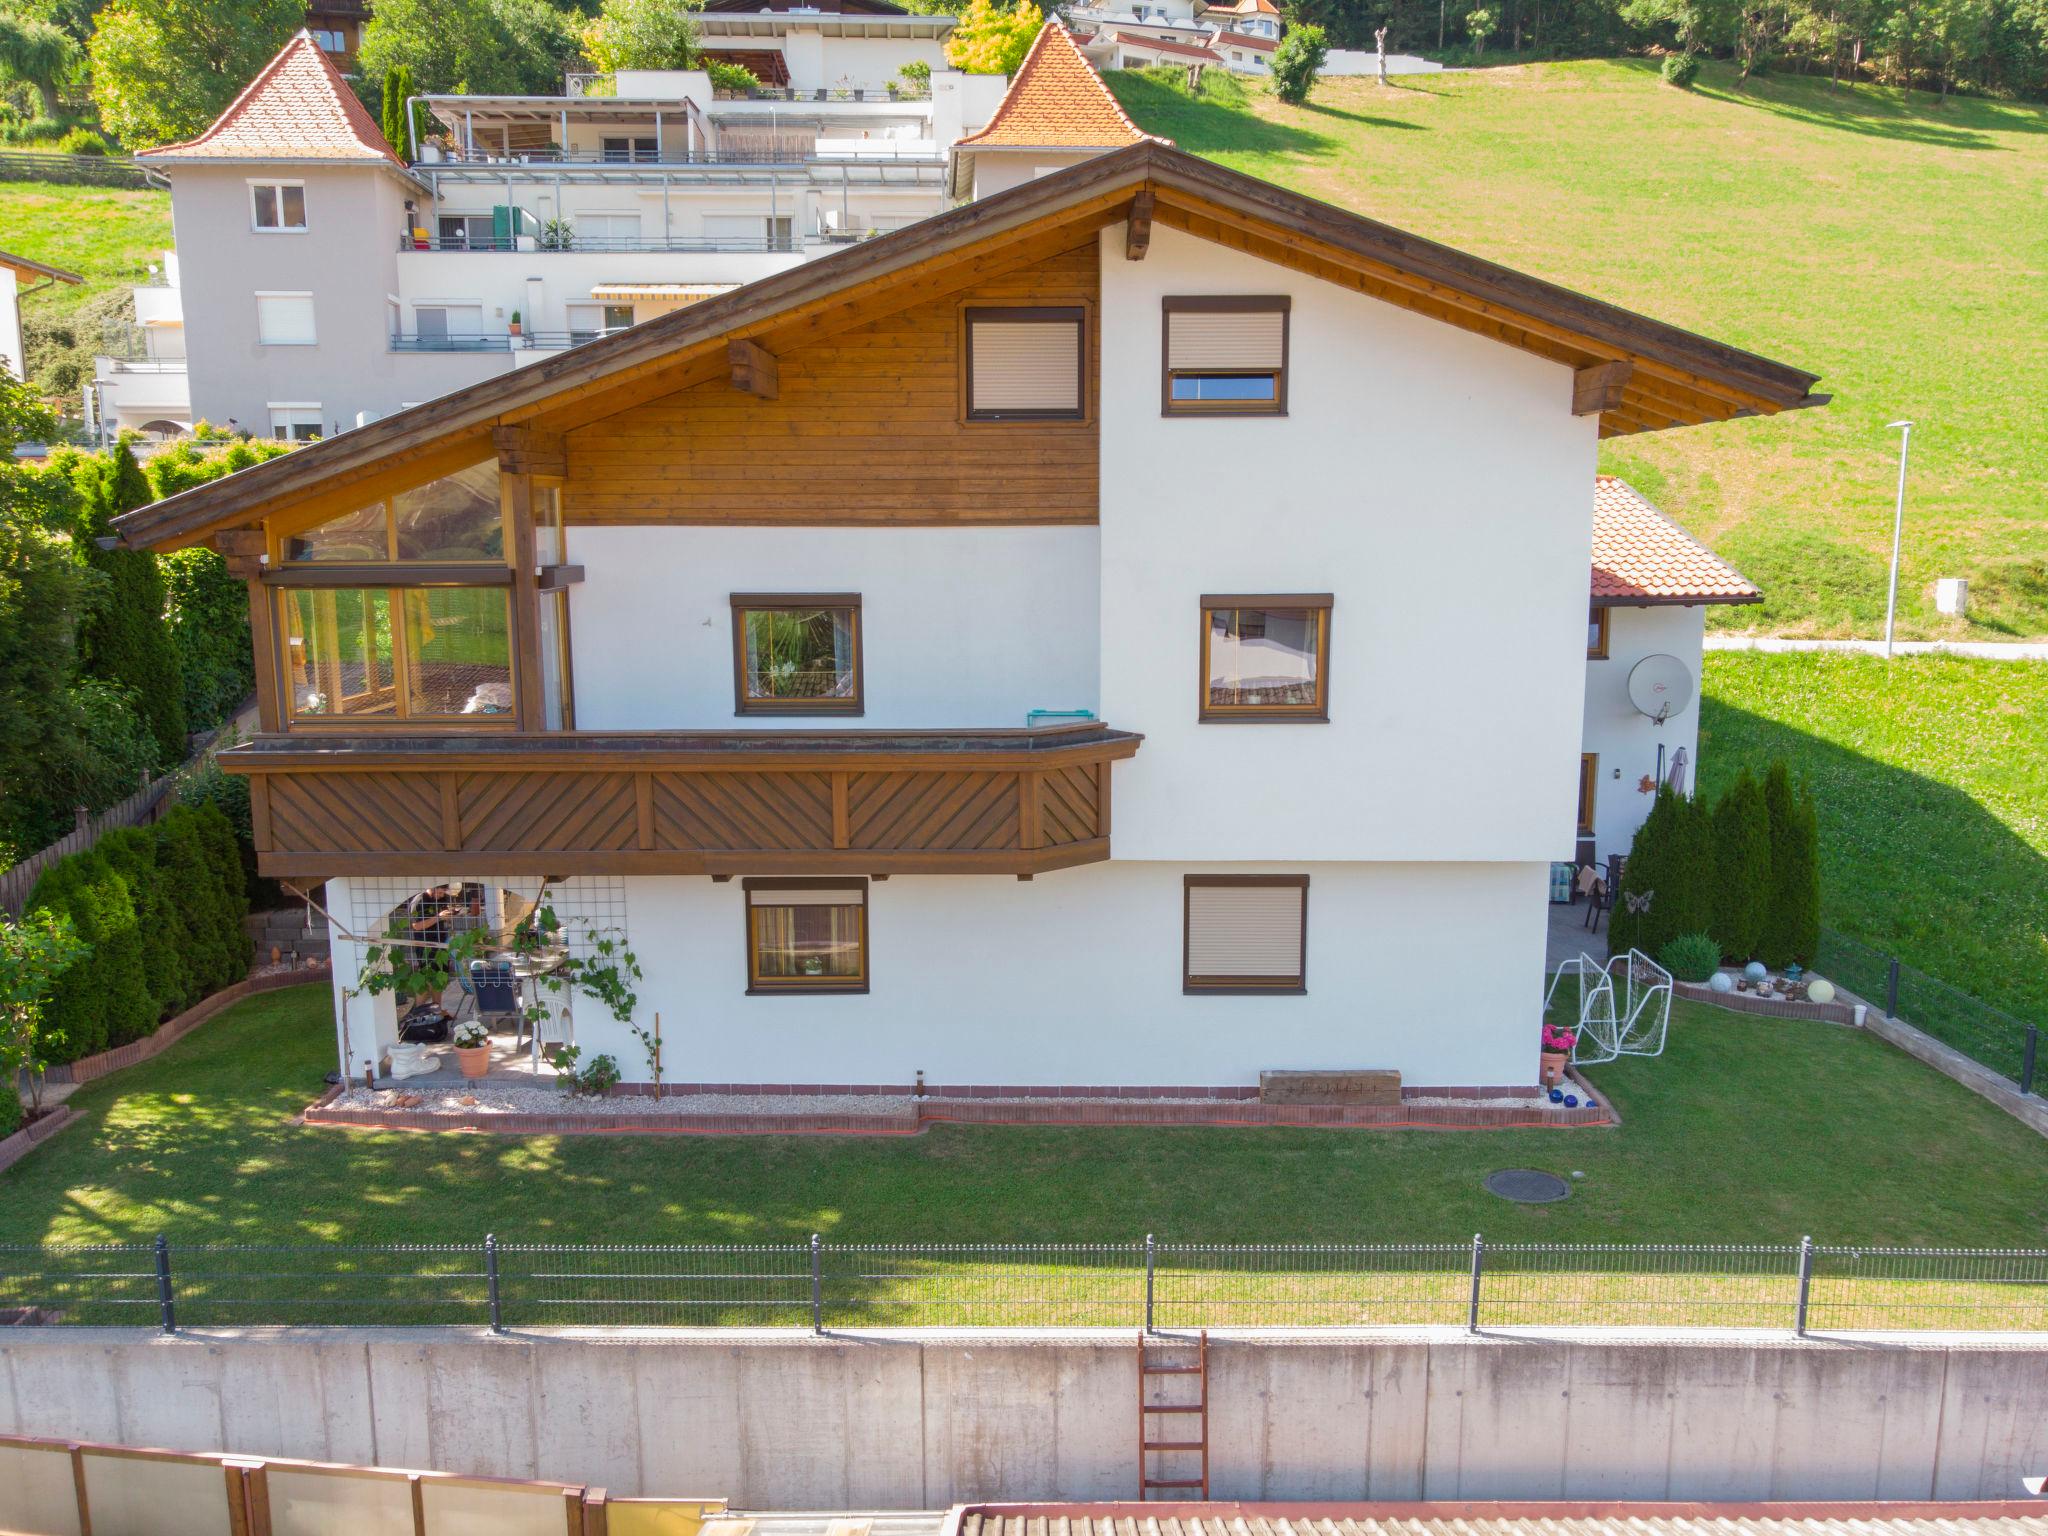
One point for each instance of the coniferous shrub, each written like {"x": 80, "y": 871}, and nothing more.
{"x": 1742, "y": 868}
{"x": 124, "y": 638}
{"x": 1791, "y": 929}
{"x": 75, "y": 1012}
{"x": 188, "y": 863}
{"x": 118, "y": 964}
{"x": 224, "y": 857}
{"x": 10, "y": 1110}
{"x": 1670, "y": 872}
{"x": 159, "y": 915}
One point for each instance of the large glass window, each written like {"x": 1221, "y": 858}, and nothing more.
{"x": 339, "y": 653}
{"x": 807, "y": 936}
{"x": 457, "y": 519}
{"x": 1265, "y": 658}
{"x": 797, "y": 654}
{"x": 448, "y": 653}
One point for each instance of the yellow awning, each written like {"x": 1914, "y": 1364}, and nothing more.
{"x": 682, "y": 293}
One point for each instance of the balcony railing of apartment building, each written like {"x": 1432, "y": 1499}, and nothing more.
{"x": 801, "y": 152}
{"x": 582, "y": 83}
{"x": 134, "y": 348}
{"x": 456, "y": 342}
{"x": 552, "y": 241}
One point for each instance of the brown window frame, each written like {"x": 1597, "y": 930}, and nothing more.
{"x": 744, "y": 603}
{"x": 1596, "y": 650}
{"x": 1239, "y": 986}
{"x": 783, "y": 986}
{"x": 1589, "y": 791}
{"x": 1317, "y": 713}
{"x": 1224, "y": 304}
{"x": 394, "y": 581}
{"x": 1075, "y": 313}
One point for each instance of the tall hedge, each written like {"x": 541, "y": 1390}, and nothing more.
{"x": 1742, "y": 868}
{"x": 1670, "y": 873}
{"x": 162, "y": 908}
{"x": 125, "y": 637}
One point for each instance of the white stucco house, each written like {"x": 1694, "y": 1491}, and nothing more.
{"x": 975, "y": 657}
{"x": 19, "y": 275}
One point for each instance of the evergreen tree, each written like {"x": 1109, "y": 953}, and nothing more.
{"x": 125, "y": 638}
{"x": 1802, "y": 885}
{"x": 1742, "y": 868}
{"x": 75, "y": 1010}
{"x": 1633, "y": 925}
{"x": 1692, "y": 869}
{"x": 1776, "y": 945}
{"x": 159, "y": 915}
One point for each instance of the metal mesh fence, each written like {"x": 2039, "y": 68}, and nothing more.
{"x": 832, "y": 1285}
{"x": 1983, "y": 1033}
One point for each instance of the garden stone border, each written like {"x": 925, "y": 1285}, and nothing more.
{"x": 35, "y": 1133}
{"x": 89, "y": 1068}
{"x": 1837, "y": 1012}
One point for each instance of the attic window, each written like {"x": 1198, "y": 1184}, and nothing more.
{"x": 1026, "y": 364}
{"x": 1225, "y": 356}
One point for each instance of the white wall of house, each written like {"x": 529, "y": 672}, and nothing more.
{"x": 1075, "y": 979}
{"x": 10, "y": 324}
{"x": 1438, "y": 485}
{"x": 962, "y": 627}
{"x": 997, "y": 170}
{"x": 1626, "y": 741}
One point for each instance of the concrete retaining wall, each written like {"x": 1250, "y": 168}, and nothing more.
{"x": 925, "y": 1419}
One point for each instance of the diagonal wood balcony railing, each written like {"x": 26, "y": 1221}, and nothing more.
{"x": 736, "y": 802}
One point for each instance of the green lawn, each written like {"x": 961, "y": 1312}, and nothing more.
{"x": 107, "y": 235}
{"x": 1892, "y": 245}
{"x": 1931, "y": 776}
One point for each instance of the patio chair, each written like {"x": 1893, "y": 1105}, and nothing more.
{"x": 496, "y": 991}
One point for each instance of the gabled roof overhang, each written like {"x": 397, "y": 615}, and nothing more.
{"x": 1653, "y": 375}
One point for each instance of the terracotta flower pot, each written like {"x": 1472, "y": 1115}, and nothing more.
{"x": 475, "y": 1060}
{"x": 1553, "y": 1068}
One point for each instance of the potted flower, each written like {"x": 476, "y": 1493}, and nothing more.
{"x": 1557, "y": 1049}
{"x": 512, "y": 325}
{"x": 473, "y": 1048}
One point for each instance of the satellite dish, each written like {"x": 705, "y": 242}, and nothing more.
{"x": 1659, "y": 686}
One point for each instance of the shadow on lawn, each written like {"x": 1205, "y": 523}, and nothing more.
{"x": 1909, "y": 865}
{"x": 1962, "y": 122}
{"x": 1206, "y": 128}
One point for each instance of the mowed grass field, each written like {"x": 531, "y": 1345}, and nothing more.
{"x": 1931, "y": 778}
{"x": 107, "y": 235}
{"x": 1891, "y": 244}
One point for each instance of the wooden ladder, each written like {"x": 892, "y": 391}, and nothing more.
{"x": 1179, "y": 1416}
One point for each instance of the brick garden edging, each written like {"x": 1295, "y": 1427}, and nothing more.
{"x": 1770, "y": 1007}
{"x": 34, "y": 1134}
{"x": 88, "y": 1068}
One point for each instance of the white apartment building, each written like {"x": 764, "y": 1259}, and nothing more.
{"x": 326, "y": 279}
{"x": 141, "y": 382}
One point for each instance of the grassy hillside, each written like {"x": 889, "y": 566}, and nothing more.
{"x": 1931, "y": 775}
{"x": 1893, "y": 245}
{"x": 107, "y": 235}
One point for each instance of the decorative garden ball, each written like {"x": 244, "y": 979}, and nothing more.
{"x": 1820, "y": 990}
{"x": 1755, "y": 971}
{"x": 1571, "y": 1101}
{"x": 1557, "y": 1095}
{"x": 1721, "y": 981}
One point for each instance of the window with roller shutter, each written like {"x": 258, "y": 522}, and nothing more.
{"x": 1245, "y": 934}
{"x": 1225, "y": 355}
{"x": 1026, "y": 364}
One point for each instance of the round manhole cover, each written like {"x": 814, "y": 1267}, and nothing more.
{"x": 1526, "y": 1186}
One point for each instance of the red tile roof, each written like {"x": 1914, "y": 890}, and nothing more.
{"x": 1640, "y": 556}
{"x": 1246, "y": 40}
{"x": 297, "y": 108}
{"x": 1057, "y": 101}
{"x": 1162, "y": 45}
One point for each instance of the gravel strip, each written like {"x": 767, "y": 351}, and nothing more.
{"x": 437, "y": 1094}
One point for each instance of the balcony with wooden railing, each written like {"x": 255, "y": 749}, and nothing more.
{"x": 736, "y": 802}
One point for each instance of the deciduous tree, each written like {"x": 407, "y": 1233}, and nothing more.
{"x": 643, "y": 34}
{"x": 164, "y": 69}
{"x": 1297, "y": 61}
{"x": 992, "y": 39}
{"x": 514, "y": 47}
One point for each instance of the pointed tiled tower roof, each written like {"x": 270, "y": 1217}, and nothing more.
{"x": 297, "y": 108}
{"x": 1057, "y": 101}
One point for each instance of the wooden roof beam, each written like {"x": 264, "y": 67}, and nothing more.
{"x": 754, "y": 369}
{"x": 1599, "y": 387}
{"x": 1138, "y": 226}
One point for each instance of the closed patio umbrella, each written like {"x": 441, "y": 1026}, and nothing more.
{"x": 1676, "y": 778}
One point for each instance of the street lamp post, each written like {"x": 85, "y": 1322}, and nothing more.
{"x": 1891, "y": 602}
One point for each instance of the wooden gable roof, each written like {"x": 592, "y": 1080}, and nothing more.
{"x": 1638, "y": 374}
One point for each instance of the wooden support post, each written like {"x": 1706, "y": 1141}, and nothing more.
{"x": 1599, "y": 387}
{"x": 1138, "y": 229}
{"x": 754, "y": 369}
{"x": 243, "y": 550}
{"x": 531, "y": 707}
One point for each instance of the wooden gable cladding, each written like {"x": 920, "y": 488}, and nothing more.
{"x": 1001, "y": 802}
{"x": 865, "y": 427}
